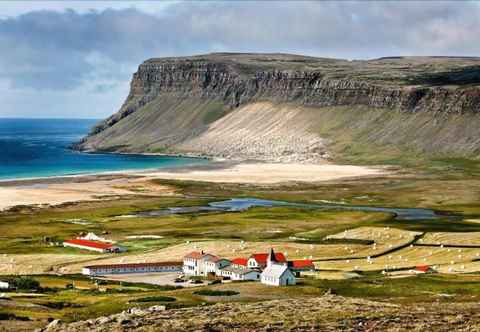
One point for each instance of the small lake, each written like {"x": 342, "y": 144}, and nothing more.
{"x": 242, "y": 204}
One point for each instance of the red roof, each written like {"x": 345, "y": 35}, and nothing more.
{"x": 91, "y": 244}
{"x": 195, "y": 255}
{"x": 133, "y": 265}
{"x": 302, "y": 263}
{"x": 422, "y": 268}
{"x": 240, "y": 261}
{"x": 262, "y": 258}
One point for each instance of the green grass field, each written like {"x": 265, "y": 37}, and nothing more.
{"x": 27, "y": 233}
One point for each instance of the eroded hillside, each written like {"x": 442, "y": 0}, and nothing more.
{"x": 294, "y": 108}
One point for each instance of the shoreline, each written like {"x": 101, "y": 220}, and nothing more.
{"x": 55, "y": 190}
{"x": 112, "y": 172}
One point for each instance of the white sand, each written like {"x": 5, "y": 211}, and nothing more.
{"x": 268, "y": 173}
{"x": 252, "y": 173}
{"x": 54, "y": 194}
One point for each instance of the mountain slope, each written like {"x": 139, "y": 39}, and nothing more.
{"x": 283, "y": 107}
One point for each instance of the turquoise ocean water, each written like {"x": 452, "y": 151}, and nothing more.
{"x": 39, "y": 147}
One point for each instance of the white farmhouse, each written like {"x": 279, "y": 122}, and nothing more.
{"x": 213, "y": 264}
{"x": 4, "y": 285}
{"x": 259, "y": 261}
{"x": 198, "y": 263}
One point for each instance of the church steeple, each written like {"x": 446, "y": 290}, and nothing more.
{"x": 271, "y": 259}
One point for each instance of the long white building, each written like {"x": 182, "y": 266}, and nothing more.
{"x": 98, "y": 270}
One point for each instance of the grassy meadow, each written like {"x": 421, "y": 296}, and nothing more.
{"x": 27, "y": 235}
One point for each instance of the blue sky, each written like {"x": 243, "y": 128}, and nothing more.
{"x": 76, "y": 58}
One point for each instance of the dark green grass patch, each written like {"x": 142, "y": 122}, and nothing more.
{"x": 155, "y": 299}
{"x": 209, "y": 292}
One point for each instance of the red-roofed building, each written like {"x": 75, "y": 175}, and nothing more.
{"x": 300, "y": 265}
{"x": 98, "y": 246}
{"x": 240, "y": 263}
{"x": 423, "y": 269}
{"x": 260, "y": 260}
{"x": 95, "y": 270}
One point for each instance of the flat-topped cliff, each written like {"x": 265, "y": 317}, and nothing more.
{"x": 188, "y": 104}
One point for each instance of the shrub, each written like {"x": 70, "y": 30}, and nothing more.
{"x": 156, "y": 299}
{"x": 26, "y": 283}
{"x": 209, "y": 292}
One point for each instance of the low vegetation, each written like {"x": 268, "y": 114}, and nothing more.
{"x": 209, "y": 292}
{"x": 155, "y": 299}
{"x": 27, "y": 246}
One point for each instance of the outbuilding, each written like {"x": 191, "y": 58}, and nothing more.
{"x": 97, "y": 246}
{"x": 239, "y": 274}
{"x": 4, "y": 285}
{"x": 420, "y": 269}
{"x": 301, "y": 265}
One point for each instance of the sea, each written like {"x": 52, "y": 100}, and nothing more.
{"x": 31, "y": 148}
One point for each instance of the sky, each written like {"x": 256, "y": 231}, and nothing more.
{"x": 75, "y": 59}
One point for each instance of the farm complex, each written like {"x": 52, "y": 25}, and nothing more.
{"x": 268, "y": 268}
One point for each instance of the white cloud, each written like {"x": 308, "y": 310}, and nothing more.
{"x": 55, "y": 55}
{"x": 16, "y": 8}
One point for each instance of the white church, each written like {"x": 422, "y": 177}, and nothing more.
{"x": 277, "y": 273}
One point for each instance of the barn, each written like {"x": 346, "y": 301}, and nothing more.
{"x": 98, "y": 246}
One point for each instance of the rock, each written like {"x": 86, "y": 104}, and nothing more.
{"x": 156, "y": 308}
{"x": 53, "y": 325}
{"x": 103, "y": 320}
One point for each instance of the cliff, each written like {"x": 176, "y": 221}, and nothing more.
{"x": 260, "y": 105}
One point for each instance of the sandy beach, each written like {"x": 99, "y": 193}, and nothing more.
{"x": 268, "y": 173}
{"x": 60, "y": 190}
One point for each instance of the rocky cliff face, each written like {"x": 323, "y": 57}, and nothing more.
{"x": 436, "y": 85}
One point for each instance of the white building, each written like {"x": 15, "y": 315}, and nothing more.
{"x": 198, "y": 263}
{"x": 259, "y": 261}
{"x": 94, "y": 237}
{"x": 213, "y": 264}
{"x": 4, "y": 285}
{"x": 96, "y": 270}
{"x": 240, "y": 263}
{"x": 239, "y": 274}
{"x": 277, "y": 273}
{"x": 98, "y": 246}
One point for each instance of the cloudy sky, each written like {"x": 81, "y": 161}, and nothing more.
{"x": 75, "y": 58}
